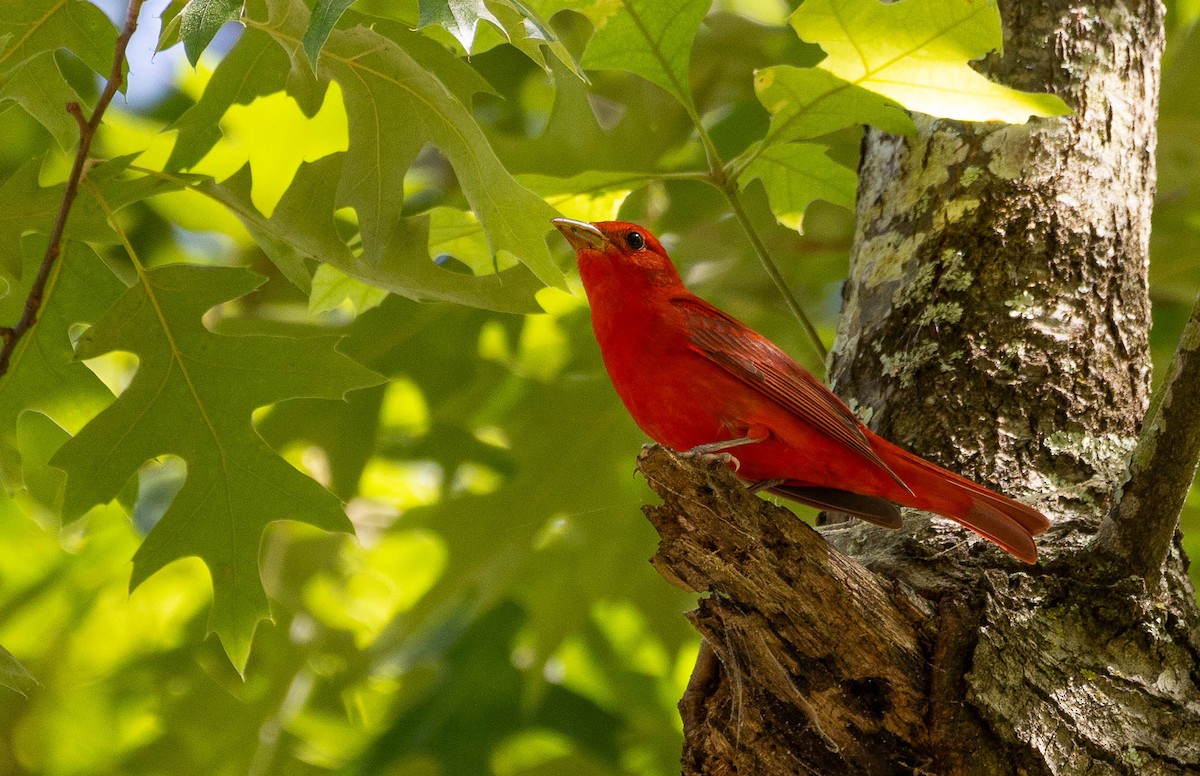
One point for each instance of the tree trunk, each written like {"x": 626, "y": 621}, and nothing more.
{"x": 995, "y": 321}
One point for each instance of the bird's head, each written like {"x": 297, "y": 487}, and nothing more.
{"x": 617, "y": 248}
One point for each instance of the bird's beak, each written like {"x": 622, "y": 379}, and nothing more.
{"x": 580, "y": 234}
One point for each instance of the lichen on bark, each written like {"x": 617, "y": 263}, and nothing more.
{"x": 996, "y": 321}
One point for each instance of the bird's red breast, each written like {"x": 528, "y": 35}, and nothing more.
{"x": 692, "y": 375}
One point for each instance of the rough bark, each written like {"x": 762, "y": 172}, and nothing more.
{"x": 773, "y": 645}
{"x": 996, "y": 321}
{"x": 997, "y": 314}
{"x": 1140, "y": 529}
{"x": 815, "y": 663}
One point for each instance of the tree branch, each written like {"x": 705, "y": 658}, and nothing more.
{"x": 1139, "y": 530}
{"x": 11, "y": 336}
{"x": 794, "y": 625}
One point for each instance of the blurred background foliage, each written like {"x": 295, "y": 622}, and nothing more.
{"x": 496, "y": 613}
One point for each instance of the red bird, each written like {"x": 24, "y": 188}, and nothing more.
{"x": 697, "y": 379}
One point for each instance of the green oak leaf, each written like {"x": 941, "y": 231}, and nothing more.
{"x": 30, "y": 34}
{"x": 303, "y": 226}
{"x": 255, "y": 67}
{"x": 38, "y": 86}
{"x": 523, "y": 26}
{"x": 650, "y": 38}
{"x": 324, "y": 15}
{"x": 200, "y": 21}
{"x": 29, "y": 28}
{"x": 170, "y": 19}
{"x": 529, "y": 32}
{"x": 344, "y": 430}
{"x": 460, "y": 18}
{"x": 633, "y": 136}
{"x": 795, "y": 174}
{"x": 809, "y": 102}
{"x": 331, "y": 287}
{"x": 192, "y": 397}
{"x": 30, "y": 208}
{"x": 916, "y": 52}
{"x": 401, "y": 91}
{"x": 395, "y": 106}
{"x": 43, "y": 375}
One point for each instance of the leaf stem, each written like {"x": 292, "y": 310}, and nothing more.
{"x": 735, "y": 204}
{"x": 718, "y": 176}
{"x": 11, "y": 336}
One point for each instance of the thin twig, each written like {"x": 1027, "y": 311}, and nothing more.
{"x": 773, "y": 272}
{"x": 1139, "y": 530}
{"x": 87, "y": 130}
{"x": 718, "y": 176}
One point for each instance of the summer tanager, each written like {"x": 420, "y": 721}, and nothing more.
{"x": 696, "y": 379}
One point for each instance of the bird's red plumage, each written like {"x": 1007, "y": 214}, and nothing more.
{"x": 691, "y": 375}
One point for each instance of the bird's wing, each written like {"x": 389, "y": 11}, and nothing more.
{"x": 759, "y": 363}
{"x": 875, "y": 510}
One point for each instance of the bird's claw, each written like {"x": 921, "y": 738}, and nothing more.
{"x": 726, "y": 458}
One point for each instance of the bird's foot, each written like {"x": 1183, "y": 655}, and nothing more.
{"x": 704, "y": 453}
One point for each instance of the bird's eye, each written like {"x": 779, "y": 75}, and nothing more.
{"x": 635, "y": 240}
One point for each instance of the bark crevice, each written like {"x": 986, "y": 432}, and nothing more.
{"x": 996, "y": 321}
{"x": 816, "y": 663}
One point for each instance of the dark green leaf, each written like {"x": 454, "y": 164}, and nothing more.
{"x": 652, "y": 38}
{"x": 303, "y": 227}
{"x": 192, "y": 397}
{"x": 28, "y": 29}
{"x": 43, "y": 375}
{"x": 396, "y": 106}
{"x": 254, "y": 67}
{"x": 200, "y": 21}
{"x": 324, "y": 15}
{"x": 172, "y": 15}
{"x": 31, "y": 209}
{"x": 30, "y": 34}
{"x": 37, "y": 86}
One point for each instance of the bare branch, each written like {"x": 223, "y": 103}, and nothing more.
{"x": 11, "y": 336}
{"x": 1139, "y": 530}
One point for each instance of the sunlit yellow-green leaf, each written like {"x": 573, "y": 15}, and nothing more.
{"x": 589, "y": 196}
{"x": 395, "y": 106}
{"x": 13, "y": 675}
{"x": 332, "y": 288}
{"x": 917, "y": 52}
{"x": 806, "y": 103}
{"x": 796, "y": 174}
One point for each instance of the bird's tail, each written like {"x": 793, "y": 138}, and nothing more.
{"x": 999, "y": 519}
